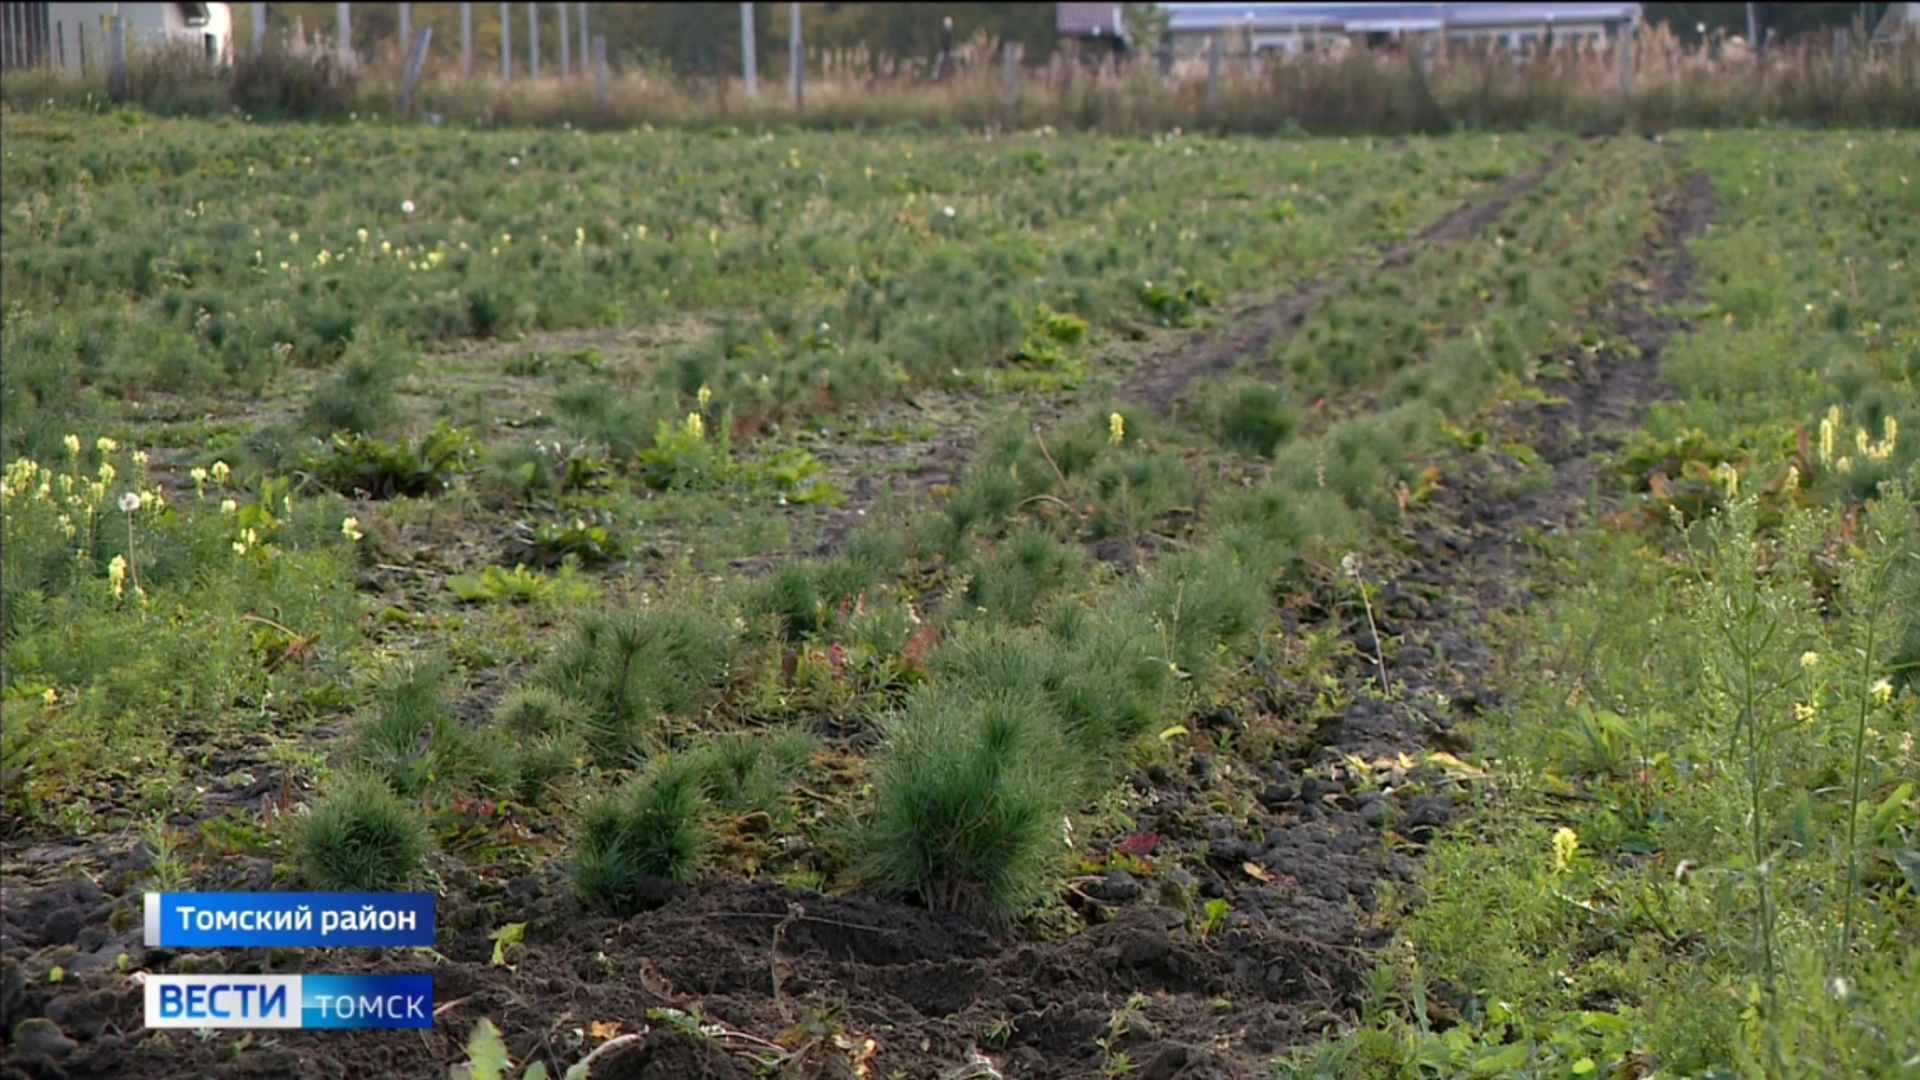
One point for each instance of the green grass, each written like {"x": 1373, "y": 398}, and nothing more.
{"x": 1708, "y": 699}
{"x": 778, "y": 524}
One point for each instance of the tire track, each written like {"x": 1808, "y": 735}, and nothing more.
{"x": 1254, "y": 329}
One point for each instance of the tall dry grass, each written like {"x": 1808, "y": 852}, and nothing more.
{"x": 1430, "y": 87}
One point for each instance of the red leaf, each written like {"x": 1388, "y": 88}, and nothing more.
{"x": 1139, "y": 844}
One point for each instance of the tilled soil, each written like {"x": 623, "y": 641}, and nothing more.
{"x": 1296, "y": 843}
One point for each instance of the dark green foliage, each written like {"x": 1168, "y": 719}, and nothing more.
{"x": 969, "y": 802}
{"x": 363, "y": 465}
{"x": 590, "y": 538}
{"x": 806, "y": 595}
{"x": 743, "y": 773}
{"x": 415, "y": 743}
{"x": 625, "y": 671}
{"x": 360, "y": 398}
{"x": 1132, "y": 491}
{"x": 1201, "y": 601}
{"x": 360, "y": 837}
{"x": 533, "y": 712}
{"x": 1029, "y": 566}
{"x": 1099, "y": 674}
{"x": 654, "y": 827}
{"x": 1256, "y": 418}
{"x": 539, "y": 762}
{"x": 533, "y": 468}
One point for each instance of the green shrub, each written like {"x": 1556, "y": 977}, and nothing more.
{"x": 623, "y": 672}
{"x": 1029, "y": 566}
{"x": 651, "y": 828}
{"x": 415, "y": 744}
{"x": 743, "y": 773}
{"x": 360, "y": 464}
{"x": 806, "y": 595}
{"x": 590, "y": 539}
{"x": 540, "y": 761}
{"x": 1255, "y": 418}
{"x": 685, "y": 456}
{"x": 360, "y": 398}
{"x": 1203, "y": 602}
{"x": 535, "y": 712}
{"x": 969, "y": 799}
{"x": 360, "y": 837}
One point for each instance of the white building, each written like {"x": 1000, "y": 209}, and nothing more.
{"x": 73, "y": 37}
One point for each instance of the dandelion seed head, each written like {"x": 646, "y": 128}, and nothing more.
{"x": 129, "y": 502}
{"x": 406, "y": 206}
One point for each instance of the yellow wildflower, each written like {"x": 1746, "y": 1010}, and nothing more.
{"x": 220, "y": 472}
{"x": 293, "y": 238}
{"x": 1116, "y": 428}
{"x": 73, "y": 445}
{"x": 117, "y": 575}
{"x": 228, "y": 506}
{"x": 1729, "y": 477}
{"x": 50, "y": 696}
{"x": 1809, "y": 660}
{"x": 1805, "y": 711}
{"x": 705, "y": 395}
{"x": 696, "y": 426}
{"x": 1882, "y": 692}
{"x": 350, "y": 528}
{"x": 106, "y": 445}
{"x": 107, "y": 472}
{"x": 1565, "y": 843}
{"x": 362, "y": 235}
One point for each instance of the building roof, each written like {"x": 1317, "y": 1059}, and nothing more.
{"x": 1089, "y": 20}
{"x": 1364, "y": 18}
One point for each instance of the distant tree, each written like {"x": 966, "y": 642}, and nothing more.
{"x": 1780, "y": 21}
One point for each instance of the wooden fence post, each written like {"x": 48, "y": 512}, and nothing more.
{"x": 796, "y": 55}
{"x": 603, "y": 89}
{"x": 343, "y": 26}
{"x": 1625, "y": 39}
{"x": 117, "y": 50}
{"x": 1213, "y": 69}
{"x": 416, "y": 63}
{"x": 1009, "y": 73}
{"x": 533, "y": 41}
{"x": 749, "y": 63}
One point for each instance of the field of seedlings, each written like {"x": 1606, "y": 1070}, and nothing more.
{"x": 921, "y": 604}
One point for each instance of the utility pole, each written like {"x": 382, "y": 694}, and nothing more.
{"x": 533, "y": 41}
{"x": 795, "y": 55}
{"x": 749, "y": 65}
{"x": 506, "y": 43}
{"x": 259, "y": 28}
{"x": 466, "y": 41}
{"x": 566, "y": 43}
{"x": 586, "y": 42}
{"x": 1753, "y": 29}
{"x": 406, "y": 28}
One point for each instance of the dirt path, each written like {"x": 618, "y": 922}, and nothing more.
{"x": 1295, "y": 840}
{"x": 1251, "y": 331}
